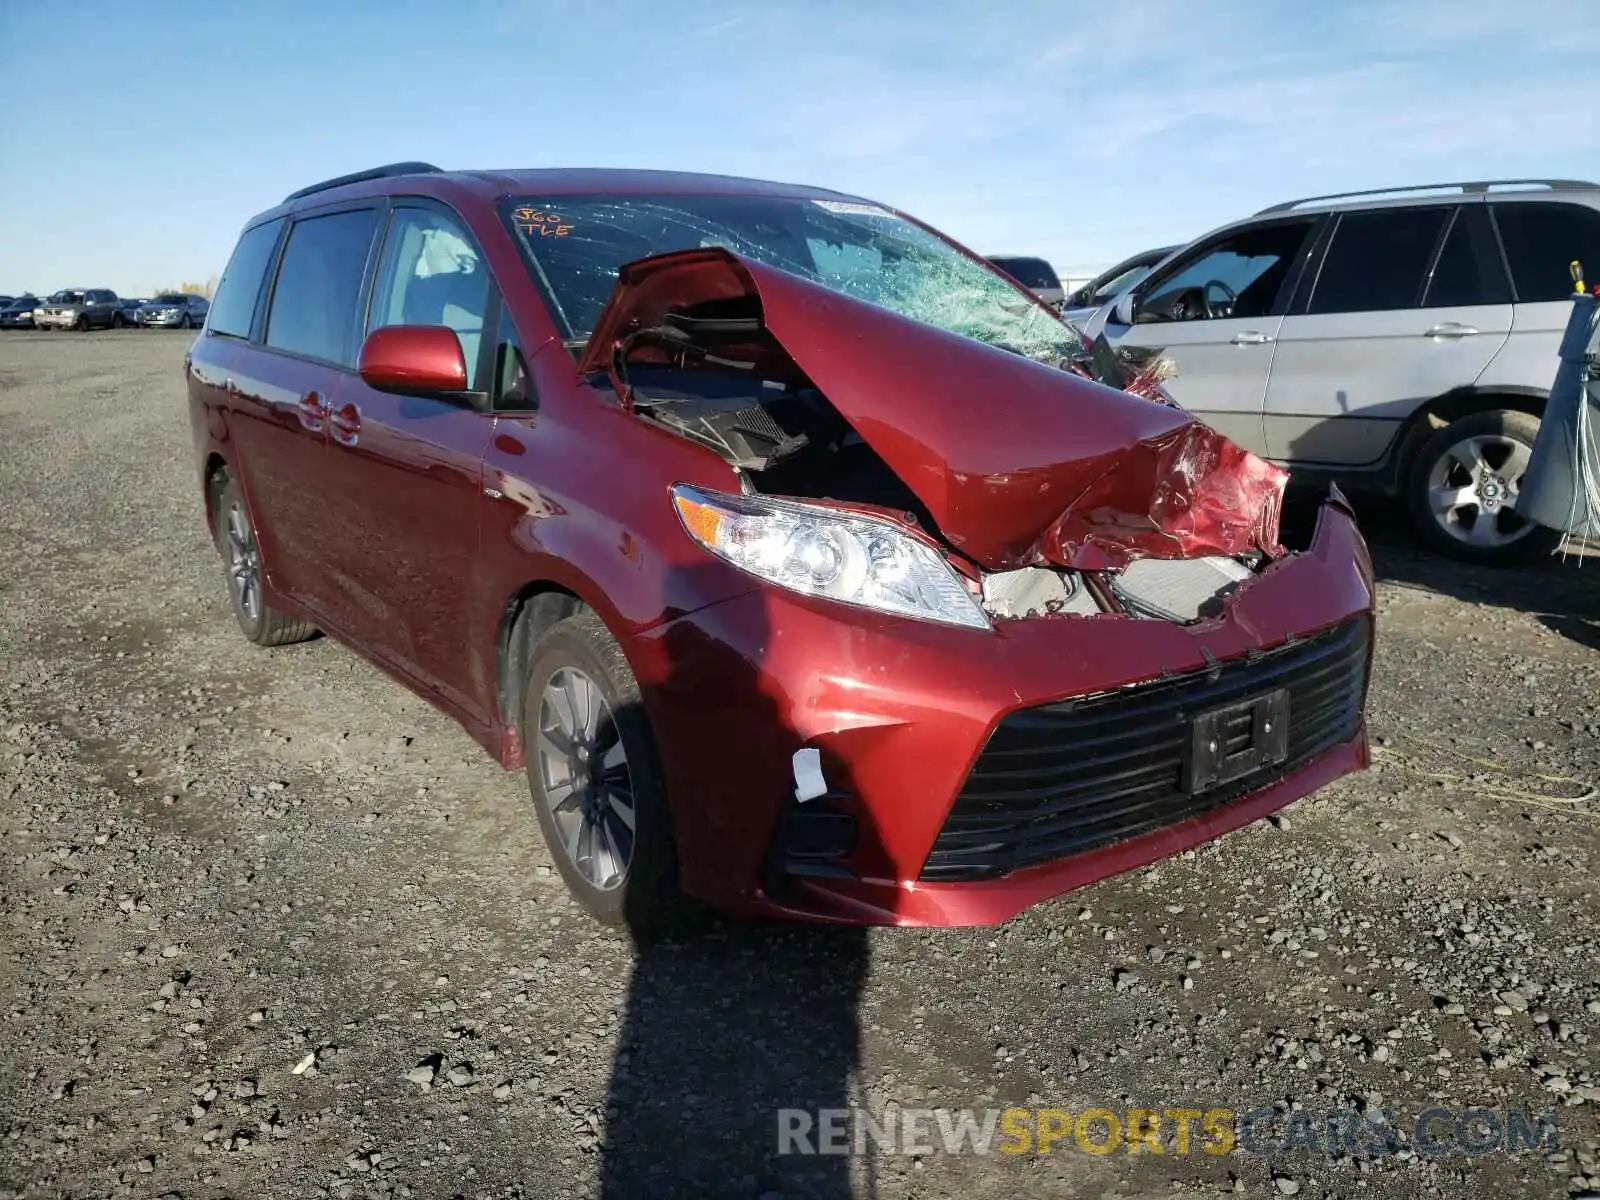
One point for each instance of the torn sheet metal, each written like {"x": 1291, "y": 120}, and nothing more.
{"x": 1017, "y": 462}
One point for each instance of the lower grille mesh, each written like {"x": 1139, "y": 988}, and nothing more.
{"x": 1064, "y": 778}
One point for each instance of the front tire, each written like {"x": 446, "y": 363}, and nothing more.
{"x": 1463, "y": 487}
{"x": 235, "y": 535}
{"x": 82, "y": 324}
{"x": 595, "y": 778}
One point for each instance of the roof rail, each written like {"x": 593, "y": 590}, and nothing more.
{"x": 384, "y": 172}
{"x": 1471, "y": 187}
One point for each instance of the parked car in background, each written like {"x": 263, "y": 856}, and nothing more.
{"x": 130, "y": 307}
{"x": 75, "y": 308}
{"x": 5, "y": 300}
{"x": 800, "y": 579}
{"x": 1035, "y": 274}
{"x": 18, "y": 314}
{"x": 1402, "y": 340}
{"x": 1082, "y": 303}
{"x": 174, "y": 310}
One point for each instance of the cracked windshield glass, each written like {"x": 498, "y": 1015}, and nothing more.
{"x": 855, "y": 249}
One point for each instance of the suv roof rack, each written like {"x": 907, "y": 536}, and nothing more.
{"x": 384, "y": 172}
{"x": 1470, "y": 187}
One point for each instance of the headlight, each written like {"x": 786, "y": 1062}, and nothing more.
{"x": 822, "y": 552}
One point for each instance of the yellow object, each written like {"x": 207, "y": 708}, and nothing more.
{"x": 1576, "y": 268}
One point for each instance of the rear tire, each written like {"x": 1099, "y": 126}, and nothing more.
{"x": 595, "y": 778}
{"x": 116, "y": 321}
{"x": 235, "y": 535}
{"x": 1464, "y": 483}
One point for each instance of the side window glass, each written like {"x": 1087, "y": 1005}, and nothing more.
{"x": 1542, "y": 240}
{"x": 1238, "y": 277}
{"x": 1466, "y": 273}
{"x": 234, "y": 309}
{"x": 432, "y": 274}
{"x": 1377, "y": 260}
{"x": 319, "y": 285}
{"x": 513, "y": 390}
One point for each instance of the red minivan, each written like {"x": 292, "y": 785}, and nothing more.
{"x": 781, "y": 539}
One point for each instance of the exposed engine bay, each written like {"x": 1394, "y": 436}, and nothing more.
{"x": 1127, "y": 517}
{"x": 722, "y": 382}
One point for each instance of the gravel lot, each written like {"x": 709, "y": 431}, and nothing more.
{"x": 273, "y": 926}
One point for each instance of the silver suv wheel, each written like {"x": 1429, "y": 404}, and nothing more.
{"x": 1463, "y": 487}
{"x": 1473, "y": 489}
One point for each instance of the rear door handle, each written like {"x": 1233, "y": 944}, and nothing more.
{"x": 1451, "y": 329}
{"x": 1251, "y": 338}
{"x": 313, "y": 411}
{"x": 345, "y": 424}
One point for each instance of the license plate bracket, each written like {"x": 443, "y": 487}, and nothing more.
{"x": 1229, "y": 742}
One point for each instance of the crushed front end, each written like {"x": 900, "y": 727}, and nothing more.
{"x": 1099, "y": 653}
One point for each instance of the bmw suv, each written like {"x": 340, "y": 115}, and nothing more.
{"x": 762, "y": 526}
{"x": 1403, "y": 341}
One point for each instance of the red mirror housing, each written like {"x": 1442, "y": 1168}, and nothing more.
{"x": 414, "y": 360}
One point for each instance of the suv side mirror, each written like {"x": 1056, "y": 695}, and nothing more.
{"x": 1123, "y": 310}
{"x": 413, "y": 360}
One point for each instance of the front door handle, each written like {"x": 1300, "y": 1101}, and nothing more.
{"x": 345, "y": 424}
{"x": 1251, "y": 338}
{"x": 1451, "y": 329}
{"x": 313, "y": 411}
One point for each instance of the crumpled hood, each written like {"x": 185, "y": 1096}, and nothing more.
{"x": 1017, "y": 462}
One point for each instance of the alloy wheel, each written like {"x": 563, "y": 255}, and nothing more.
{"x": 244, "y": 563}
{"x": 1473, "y": 488}
{"x": 586, "y": 782}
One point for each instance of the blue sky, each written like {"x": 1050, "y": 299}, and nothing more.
{"x": 137, "y": 138}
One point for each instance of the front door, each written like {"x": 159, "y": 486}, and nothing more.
{"x": 1216, "y": 312}
{"x": 406, "y": 478}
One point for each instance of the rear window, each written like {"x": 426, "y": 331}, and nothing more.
{"x": 1542, "y": 241}
{"x": 319, "y": 284}
{"x": 240, "y": 286}
{"x": 1377, "y": 260}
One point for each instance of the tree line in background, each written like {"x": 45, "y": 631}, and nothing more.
{"x": 194, "y": 289}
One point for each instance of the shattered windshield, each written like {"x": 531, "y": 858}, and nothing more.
{"x": 859, "y": 250}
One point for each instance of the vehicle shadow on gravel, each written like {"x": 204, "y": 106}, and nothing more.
{"x": 728, "y": 1023}
{"x": 724, "y": 1029}
{"x": 1561, "y": 592}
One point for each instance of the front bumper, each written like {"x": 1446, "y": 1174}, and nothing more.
{"x": 17, "y": 322}
{"x": 55, "y": 320}
{"x": 158, "y": 322}
{"x": 900, "y": 711}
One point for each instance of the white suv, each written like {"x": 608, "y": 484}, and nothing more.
{"x": 1400, "y": 340}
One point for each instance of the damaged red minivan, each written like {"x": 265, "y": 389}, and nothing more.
{"x": 782, "y": 540}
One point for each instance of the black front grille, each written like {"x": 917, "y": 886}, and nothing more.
{"x": 1064, "y": 778}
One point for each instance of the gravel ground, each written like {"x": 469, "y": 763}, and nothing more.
{"x": 275, "y": 927}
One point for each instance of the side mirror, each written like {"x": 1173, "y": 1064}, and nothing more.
{"x": 1122, "y": 310}
{"x": 413, "y": 360}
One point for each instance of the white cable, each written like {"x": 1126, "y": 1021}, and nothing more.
{"x": 1585, "y": 463}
